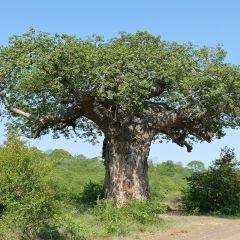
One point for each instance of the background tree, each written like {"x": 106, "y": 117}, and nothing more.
{"x": 217, "y": 189}
{"x": 196, "y": 166}
{"x": 28, "y": 200}
{"x": 59, "y": 155}
{"x": 133, "y": 89}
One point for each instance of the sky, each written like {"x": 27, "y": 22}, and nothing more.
{"x": 202, "y": 22}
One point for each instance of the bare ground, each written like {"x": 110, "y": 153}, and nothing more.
{"x": 193, "y": 228}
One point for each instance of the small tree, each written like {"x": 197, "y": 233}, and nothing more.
{"x": 59, "y": 155}
{"x": 196, "y": 166}
{"x": 133, "y": 89}
{"x": 217, "y": 189}
{"x": 27, "y": 199}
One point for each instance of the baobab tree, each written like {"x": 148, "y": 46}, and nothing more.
{"x": 133, "y": 89}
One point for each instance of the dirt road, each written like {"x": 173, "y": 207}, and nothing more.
{"x": 194, "y": 228}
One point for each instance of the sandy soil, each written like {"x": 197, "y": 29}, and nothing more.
{"x": 194, "y": 228}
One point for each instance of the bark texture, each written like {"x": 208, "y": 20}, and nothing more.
{"x": 125, "y": 153}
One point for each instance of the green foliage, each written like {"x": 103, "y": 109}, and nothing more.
{"x": 91, "y": 193}
{"x": 71, "y": 175}
{"x": 217, "y": 189}
{"x": 119, "y": 220}
{"x": 196, "y": 166}
{"x": 31, "y": 203}
{"x": 27, "y": 197}
{"x": 54, "y": 195}
{"x": 2, "y": 209}
{"x": 166, "y": 181}
{"x": 49, "y": 233}
{"x": 59, "y": 155}
{"x": 104, "y": 219}
{"x": 40, "y": 70}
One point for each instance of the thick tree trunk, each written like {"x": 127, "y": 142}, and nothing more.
{"x": 126, "y": 165}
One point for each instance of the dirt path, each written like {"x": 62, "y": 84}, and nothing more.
{"x": 195, "y": 228}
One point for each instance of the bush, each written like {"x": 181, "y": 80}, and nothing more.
{"x": 91, "y": 193}
{"x": 49, "y": 233}
{"x": 217, "y": 189}
{"x": 26, "y": 196}
{"x": 118, "y": 220}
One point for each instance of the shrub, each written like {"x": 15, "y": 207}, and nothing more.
{"x": 217, "y": 189}
{"x": 91, "y": 193}
{"x": 26, "y": 196}
{"x": 119, "y": 219}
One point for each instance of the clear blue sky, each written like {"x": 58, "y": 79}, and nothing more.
{"x": 203, "y": 22}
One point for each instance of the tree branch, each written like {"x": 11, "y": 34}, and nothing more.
{"x": 160, "y": 105}
{"x": 11, "y": 108}
{"x": 84, "y": 106}
{"x": 200, "y": 133}
{"x": 178, "y": 137}
{"x": 178, "y": 124}
{"x": 65, "y": 117}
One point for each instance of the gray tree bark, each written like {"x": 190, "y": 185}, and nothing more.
{"x": 126, "y": 154}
